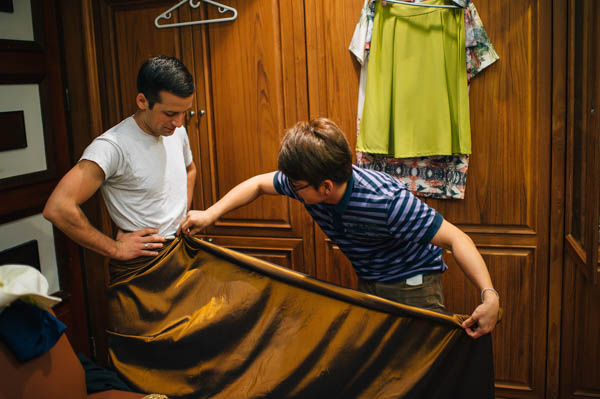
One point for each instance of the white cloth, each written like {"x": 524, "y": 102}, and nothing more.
{"x": 362, "y": 34}
{"x": 25, "y": 283}
{"x": 359, "y": 47}
{"x": 145, "y": 176}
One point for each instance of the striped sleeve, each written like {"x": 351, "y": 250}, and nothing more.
{"x": 282, "y": 184}
{"x": 410, "y": 219}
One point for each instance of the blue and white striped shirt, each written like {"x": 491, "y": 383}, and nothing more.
{"x": 383, "y": 229}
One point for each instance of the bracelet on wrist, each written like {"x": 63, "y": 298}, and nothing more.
{"x": 489, "y": 289}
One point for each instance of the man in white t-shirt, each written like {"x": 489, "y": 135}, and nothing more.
{"x": 143, "y": 166}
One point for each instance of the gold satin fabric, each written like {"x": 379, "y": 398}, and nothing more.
{"x": 201, "y": 321}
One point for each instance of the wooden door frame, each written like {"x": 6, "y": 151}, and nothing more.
{"x": 557, "y": 194}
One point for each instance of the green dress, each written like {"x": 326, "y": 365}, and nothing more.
{"x": 416, "y": 101}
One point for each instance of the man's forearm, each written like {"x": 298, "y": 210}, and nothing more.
{"x": 465, "y": 253}
{"x": 470, "y": 261}
{"x": 242, "y": 194}
{"x": 77, "y": 227}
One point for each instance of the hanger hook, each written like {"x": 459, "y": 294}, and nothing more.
{"x": 194, "y": 5}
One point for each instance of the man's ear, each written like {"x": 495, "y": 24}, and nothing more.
{"x": 327, "y": 187}
{"x": 142, "y": 101}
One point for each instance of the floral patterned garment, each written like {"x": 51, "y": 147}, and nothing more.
{"x": 443, "y": 176}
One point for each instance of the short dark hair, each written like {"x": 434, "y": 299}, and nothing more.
{"x": 164, "y": 73}
{"x": 315, "y": 151}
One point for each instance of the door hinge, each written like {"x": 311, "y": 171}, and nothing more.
{"x": 67, "y": 100}
{"x": 93, "y": 346}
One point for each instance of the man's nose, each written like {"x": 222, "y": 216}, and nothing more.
{"x": 178, "y": 120}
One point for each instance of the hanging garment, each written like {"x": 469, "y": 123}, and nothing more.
{"x": 416, "y": 101}
{"x": 201, "y": 321}
{"x": 436, "y": 176}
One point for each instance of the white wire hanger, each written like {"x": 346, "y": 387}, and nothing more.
{"x": 169, "y": 14}
{"x": 421, "y": 4}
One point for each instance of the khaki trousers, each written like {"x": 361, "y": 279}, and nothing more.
{"x": 428, "y": 295}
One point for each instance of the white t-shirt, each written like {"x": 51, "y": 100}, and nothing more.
{"x": 145, "y": 176}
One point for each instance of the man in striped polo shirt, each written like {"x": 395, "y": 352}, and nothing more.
{"x": 393, "y": 239}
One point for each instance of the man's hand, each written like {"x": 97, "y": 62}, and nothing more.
{"x": 138, "y": 243}
{"x": 484, "y": 318}
{"x": 196, "y": 221}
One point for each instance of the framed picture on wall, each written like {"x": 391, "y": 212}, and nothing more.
{"x": 31, "y": 99}
{"x": 6, "y": 6}
{"x": 27, "y": 145}
{"x": 20, "y": 24}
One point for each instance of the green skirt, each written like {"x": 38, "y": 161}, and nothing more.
{"x": 416, "y": 101}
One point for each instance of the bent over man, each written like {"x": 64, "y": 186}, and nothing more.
{"x": 393, "y": 239}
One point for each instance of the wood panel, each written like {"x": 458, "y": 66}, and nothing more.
{"x": 250, "y": 76}
{"x": 580, "y": 347}
{"x": 286, "y": 252}
{"x": 333, "y": 75}
{"x": 117, "y": 37}
{"x": 510, "y": 124}
{"x": 557, "y": 195}
{"x": 257, "y": 89}
{"x": 518, "y": 339}
{"x": 583, "y": 165}
{"x": 335, "y": 267}
{"x": 580, "y": 350}
{"x": 333, "y": 71}
{"x": 253, "y": 75}
{"x": 506, "y": 202}
{"x": 127, "y": 37}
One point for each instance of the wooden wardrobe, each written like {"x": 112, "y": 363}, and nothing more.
{"x": 531, "y": 203}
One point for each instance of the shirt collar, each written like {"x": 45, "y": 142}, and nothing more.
{"x": 341, "y": 206}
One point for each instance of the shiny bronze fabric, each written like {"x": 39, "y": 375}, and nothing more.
{"x": 201, "y": 321}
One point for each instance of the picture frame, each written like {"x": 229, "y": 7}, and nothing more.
{"x": 30, "y": 64}
{"x": 7, "y": 6}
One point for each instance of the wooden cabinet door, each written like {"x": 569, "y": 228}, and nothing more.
{"x": 250, "y": 77}
{"x": 506, "y": 206}
{"x": 333, "y": 76}
{"x": 118, "y": 36}
{"x": 580, "y": 347}
{"x": 507, "y": 199}
{"x": 253, "y": 75}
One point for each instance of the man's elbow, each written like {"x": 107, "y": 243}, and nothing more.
{"x": 50, "y": 211}
{"x": 56, "y": 210}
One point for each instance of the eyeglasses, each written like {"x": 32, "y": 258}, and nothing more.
{"x": 296, "y": 189}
